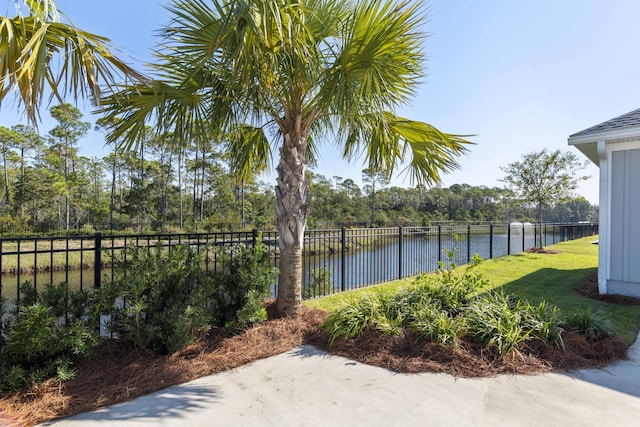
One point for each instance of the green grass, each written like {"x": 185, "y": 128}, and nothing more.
{"x": 554, "y": 278}
{"x": 335, "y": 302}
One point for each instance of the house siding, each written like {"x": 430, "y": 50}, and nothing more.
{"x": 624, "y": 272}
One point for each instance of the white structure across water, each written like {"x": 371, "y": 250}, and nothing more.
{"x": 614, "y": 146}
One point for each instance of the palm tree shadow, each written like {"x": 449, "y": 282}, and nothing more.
{"x": 172, "y": 402}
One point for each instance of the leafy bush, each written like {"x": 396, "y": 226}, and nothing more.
{"x": 242, "y": 286}
{"x": 320, "y": 284}
{"x": 38, "y": 346}
{"x": 44, "y": 335}
{"x": 28, "y": 294}
{"x": 160, "y": 300}
{"x": 163, "y": 300}
{"x": 157, "y": 299}
{"x": 73, "y": 305}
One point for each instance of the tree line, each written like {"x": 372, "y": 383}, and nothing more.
{"x": 47, "y": 186}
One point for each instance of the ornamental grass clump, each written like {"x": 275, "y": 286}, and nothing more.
{"x": 449, "y": 308}
{"x": 588, "y": 324}
{"x": 436, "y": 326}
{"x": 500, "y": 322}
{"x": 356, "y": 318}
{"x": 430, "y": 309}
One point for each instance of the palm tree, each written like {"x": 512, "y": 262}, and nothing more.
{"x": 41, "y": 51}
{"x": 302, "y": 70}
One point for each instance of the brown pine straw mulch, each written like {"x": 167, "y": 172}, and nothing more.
{"x": 542, "y": 251}
{"x": 589, "y": 289}
{"x": 117, "y": 373}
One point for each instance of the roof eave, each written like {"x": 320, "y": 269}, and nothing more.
{"x": 605, "y": 135}
{"x": 587, "y": 142}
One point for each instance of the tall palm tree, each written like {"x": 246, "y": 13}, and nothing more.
{"x": 303, "y": 70}
{"x": 43, "y": 52}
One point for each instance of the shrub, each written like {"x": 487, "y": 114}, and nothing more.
{"x": 38, "y": 347}
{"x": 163, "y": 300}
{"x": 73, "y": 305}
{"x": 242, "y": 286}
{"x": 588, "y": 324}
{"x": 320, "y": 284}
{"x": 28, "y": 295}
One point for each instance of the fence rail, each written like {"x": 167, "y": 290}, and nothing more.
{"x": 334, "y": 260}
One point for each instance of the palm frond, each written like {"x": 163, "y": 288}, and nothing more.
{"x": 387, "y": 141}
{"x": 380, "y": 60}
{"x": 36, "y": 54}
{"x": 248, "y": 151}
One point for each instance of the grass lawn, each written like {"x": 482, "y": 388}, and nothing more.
{"x": 536, "y": 277}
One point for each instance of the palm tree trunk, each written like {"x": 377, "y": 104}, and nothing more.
{"x": 291, "y": 211}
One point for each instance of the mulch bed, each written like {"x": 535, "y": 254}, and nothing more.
{"x": 118, "y": 373}
{"x": 589, "y": 289}
{"x": 542, "y": 251}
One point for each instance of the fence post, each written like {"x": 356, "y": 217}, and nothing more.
{"x": 97, "y": 262}
{"x": 439, "y": 245}
{"x": 490, "y": 241}
{"x": 468, "y": 243}
{"x": 343, "y": 258}
{"x": 523, "y": 233}
{"x": 254, "y": 237}
{"x": 509, "y": 239}
{"x": 400, "y": 252}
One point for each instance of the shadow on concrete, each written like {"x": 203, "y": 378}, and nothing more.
{"x": 173, "y": 402}
{"x": 622, "y": 376}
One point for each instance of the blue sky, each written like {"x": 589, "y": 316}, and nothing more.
{"x": 520, "y": 75}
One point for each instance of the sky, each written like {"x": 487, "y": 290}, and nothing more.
{"x": 519, "y": 76}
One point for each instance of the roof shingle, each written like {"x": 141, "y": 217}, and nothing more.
{"x": 630, "y": 119}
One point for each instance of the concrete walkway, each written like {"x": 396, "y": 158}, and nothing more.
{"x": 307, "y": 387}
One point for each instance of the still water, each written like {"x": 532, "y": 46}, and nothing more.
{"x": 363, "y": 266}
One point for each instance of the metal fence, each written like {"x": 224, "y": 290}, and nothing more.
{"x": 334, "y": 260}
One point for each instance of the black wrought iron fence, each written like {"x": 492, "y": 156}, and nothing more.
{"x": 334, "y": 260}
